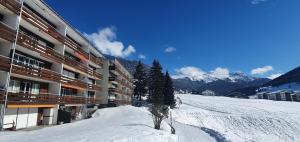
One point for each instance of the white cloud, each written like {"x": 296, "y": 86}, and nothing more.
{"x": 141, "y": 56}
{"x": 195, "y": 73}
{"x": 262, "y": 70}
{"x": 105, "y": 41}
{"x": 255, "y": 2}
{"x": 273, "y": 76}
{"x": 220, "y": 73}
{"x": 170, "y": 49}
{"x": 190, "y": 72}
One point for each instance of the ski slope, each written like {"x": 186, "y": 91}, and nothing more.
{"x": 199, "y": 119}
{"x": 230, "y": 119}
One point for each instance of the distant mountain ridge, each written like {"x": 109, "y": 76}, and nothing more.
{"x": 224, "y": 86}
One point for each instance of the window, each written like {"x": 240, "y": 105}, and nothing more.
{"x": 91, "y": 94}
{"x": 91, "y": 81}
{"x": 14, "y": 86}
{"x": 69, "y": 73}
{"x": 35, "y": 88}
{"x": 21, "y": 59}
{"x": 68, "y": 91}
{"x": 25, "y": 87}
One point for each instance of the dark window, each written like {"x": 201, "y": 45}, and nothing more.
{"x": 36, "y": 37}
{"x": 1, "y": 17}
{"x": 73, "y": 40}
{"x": 72, "y": 57}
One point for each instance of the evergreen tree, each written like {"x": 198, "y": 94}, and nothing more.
{"x": 156, "y": 84}
{"x": 140, "y": 81}
{"x": 156, "y": 94}
{"x": 169, "y": 97}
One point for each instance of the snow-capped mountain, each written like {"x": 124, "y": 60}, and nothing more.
{"x": 221, "y": 86}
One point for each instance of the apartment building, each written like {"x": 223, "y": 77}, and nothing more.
{"x": 120, "y": 84}
{"x": 49, "y": 73}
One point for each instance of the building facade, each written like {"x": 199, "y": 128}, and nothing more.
{"x": 120, "y": 84}
{"x": 49, "y": 72}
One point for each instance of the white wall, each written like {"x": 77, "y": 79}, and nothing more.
{"x": 27, "y": 117}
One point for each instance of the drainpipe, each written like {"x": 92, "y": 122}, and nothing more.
{"x": 8, "y": 78}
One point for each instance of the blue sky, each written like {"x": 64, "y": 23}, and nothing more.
{"x": 236, "y": 35}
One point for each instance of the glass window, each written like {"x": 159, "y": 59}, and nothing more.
{"x": 35, "y": 88}
{"x": 14, "y": 86}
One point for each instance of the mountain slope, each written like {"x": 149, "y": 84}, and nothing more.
{"x": 292, "y": 76}
{"x": 220, "y": 86}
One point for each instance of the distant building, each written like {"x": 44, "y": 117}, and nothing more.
{"x": 208, "y": 93}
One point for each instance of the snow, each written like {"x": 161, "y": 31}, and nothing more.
{"x": 288, "y": 87}
{"x": 198, "y": 119}
{"x": 231, "y": 119}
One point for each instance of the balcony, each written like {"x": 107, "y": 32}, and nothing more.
{"x": 112, "y": 79}
{"x": 114, "y": 90}
{"x": 73, "y": 83}
{"x": 41, "y": 24}
{"x": 94, "y": 73}
{"x": 5, "y": 63}
{"x": 39, "y": 73}
{"x": 98, "y": 61}
{"x": 7, "y": 33}
{"x": 122, "y": 102}
{"x": 12, "y": 5}
{"x": 31, "y": 43}
{"x": 75, "y": 64}
{"x": 94, "y": 87}
{"x": 44, "y": 99}
{"x": 77, "y": 48}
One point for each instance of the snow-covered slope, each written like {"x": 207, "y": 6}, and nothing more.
{"x": 231, "y": 119}
{"x": 121, "y": 124}
{"x": 199, "y": 119}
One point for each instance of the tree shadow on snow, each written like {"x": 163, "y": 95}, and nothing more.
{"x": 218, "y": 136}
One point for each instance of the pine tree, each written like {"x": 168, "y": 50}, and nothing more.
{"x": 156, "y": 94}
{"x": 156, "y": 83}
{"x": 169, "y": 97}
{"x": 140, "y": 81}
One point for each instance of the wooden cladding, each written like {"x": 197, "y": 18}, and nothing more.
{"x": 31, "y": 43}
{"x": 38, "y": 22}
{"x": 7, "y": 33}
{"x": 5, "y": 63}
{"x": 73, "y": 83}
{"x": 94, "y": 87}
{"x": 94, "y": 73}
{"x": 49, "y": 75}
{"x": 42, "y": 99}
{"x": 75, "y": 64}
{"x": 12, "y": 5}
{"x": 96, "y": 60}
{"x": 122, "y": 102}
{"x": 41, "y": 73}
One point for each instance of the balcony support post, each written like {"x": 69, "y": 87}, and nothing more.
{"x": 3, "y": 109}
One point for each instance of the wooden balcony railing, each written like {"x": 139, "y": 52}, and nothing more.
{"x": 95, "y": 74}
{"x": 5, "y": 63}
{"x": 97, "y": 61}
{"x": 73, "y": 83}
{"x": 39, "y": 99}
{"x": 7, "y": 33}
{"x": 94, "y": 87}
{"x": 78, "y": 49}
{"x": 38, "y": 22}
{"x": 31, "y": 43}
{"x": 41, "y": 73}
{"x": 75, "y": 64}
{"x": 113, "y": 90}
{"x": 122, "y": 102}
{"x": 12, "y": 5}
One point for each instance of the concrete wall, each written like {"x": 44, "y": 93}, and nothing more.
{"x": 23, "y": 117}
{"x": 103, "y": 94}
